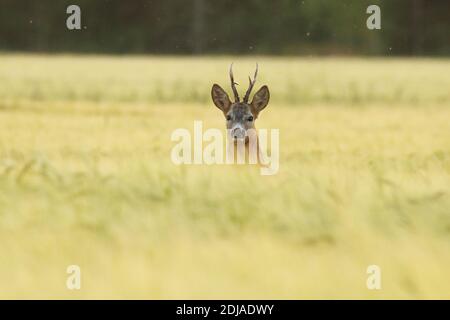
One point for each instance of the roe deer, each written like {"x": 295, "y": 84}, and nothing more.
{"x": 240, "y": 116}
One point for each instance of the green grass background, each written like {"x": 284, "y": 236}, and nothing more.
{"x": 86, "y": 179}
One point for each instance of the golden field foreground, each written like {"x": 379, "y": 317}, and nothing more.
{"x": 86, "y": 179}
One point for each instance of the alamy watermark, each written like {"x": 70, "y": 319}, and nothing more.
{"x": 374, "y": 20}
{"x": 214, "y": 146}
{"x": 374, "y": 279}
{"x": 73, "y": 21}
{"x": 73, "y": 281}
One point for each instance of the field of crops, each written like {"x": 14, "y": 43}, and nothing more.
{"x": 86, "y": 179}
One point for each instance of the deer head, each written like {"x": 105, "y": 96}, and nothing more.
{"x": 240, "y": 116}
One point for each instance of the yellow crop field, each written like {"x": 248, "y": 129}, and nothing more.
{"x": 86, "y": 179}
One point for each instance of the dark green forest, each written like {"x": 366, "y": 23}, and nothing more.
{"x": 287, "y": 27}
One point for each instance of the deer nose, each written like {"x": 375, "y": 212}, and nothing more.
{"x": 238, "y": 133}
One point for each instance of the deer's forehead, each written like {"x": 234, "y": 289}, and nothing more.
{"x": 239, "y": 109}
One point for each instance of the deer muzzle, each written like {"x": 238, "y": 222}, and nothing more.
{"x": 238, "y": 133}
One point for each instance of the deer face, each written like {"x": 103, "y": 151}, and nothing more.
{"x": 240, "y": 116}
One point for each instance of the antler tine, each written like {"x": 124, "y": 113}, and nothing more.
{"x": 251, "y": 84}
{"x": 233, "y": 85}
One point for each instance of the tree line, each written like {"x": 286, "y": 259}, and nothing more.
{"x": 287, "y": 27}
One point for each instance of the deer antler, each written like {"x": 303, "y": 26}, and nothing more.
{"x": 251, "y": 84}
{"x": 233, "y": 85}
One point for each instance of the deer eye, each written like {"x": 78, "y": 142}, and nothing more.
{"x": 228, "y": 118}
{"x": 250, "y": 119}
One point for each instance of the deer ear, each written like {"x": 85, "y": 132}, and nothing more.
{"x": 220, "y": 98}
{"x": 260, "y": 99}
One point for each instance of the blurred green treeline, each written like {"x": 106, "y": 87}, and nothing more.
{"x": 409, "y": 27}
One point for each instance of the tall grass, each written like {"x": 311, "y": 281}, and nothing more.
{"x": 188, "y": 80}
{"x": 86, "y": 179}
